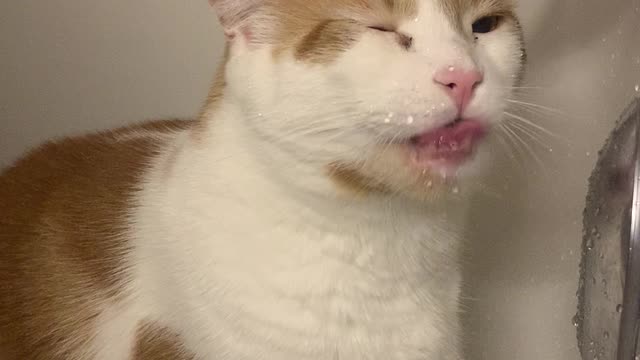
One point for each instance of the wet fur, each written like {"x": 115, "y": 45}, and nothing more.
{"x": 279, "y": 225}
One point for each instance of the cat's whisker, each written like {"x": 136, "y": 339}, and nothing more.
{"x": 526, "y": 104}
{"x": 528, "y": 122}
{"x": 529, "y": 150}
{"x": 512, "y": 148}
{"x": 523, "y": 87}
{"x": 535, "y": 136}
{"x": 539, "y": 114}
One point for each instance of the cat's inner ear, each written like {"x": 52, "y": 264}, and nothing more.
{"x": 236, "y": 16}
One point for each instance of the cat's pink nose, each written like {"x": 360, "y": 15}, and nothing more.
{"x": 459, "y": 83}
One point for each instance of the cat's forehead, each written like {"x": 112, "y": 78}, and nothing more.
{"x": 398, "y": 9}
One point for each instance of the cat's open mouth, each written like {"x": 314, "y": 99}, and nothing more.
{"x": 447, "y": 147}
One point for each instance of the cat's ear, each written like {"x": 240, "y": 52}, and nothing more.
{"x": 235, "y": 15}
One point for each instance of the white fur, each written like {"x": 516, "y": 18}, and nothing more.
{"x": 248, "y": 250}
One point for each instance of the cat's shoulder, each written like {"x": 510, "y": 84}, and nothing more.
{"x": 63, "y": 234}
{"x": 112, "y": 151}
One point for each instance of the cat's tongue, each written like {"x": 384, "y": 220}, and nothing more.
{"x": 448, "y": 146}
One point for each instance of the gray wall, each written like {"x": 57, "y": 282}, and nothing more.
{"x": 72, "y": 65}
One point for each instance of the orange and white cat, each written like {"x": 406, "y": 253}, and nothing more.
{"x": 314, "y": 211}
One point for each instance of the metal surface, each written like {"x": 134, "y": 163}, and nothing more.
{"x": 631, "y": 300}
{"x": 608, "y": 294}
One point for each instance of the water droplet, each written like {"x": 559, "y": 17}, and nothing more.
{"x": 430, "y": 184}
{"x": 588, "y": 153}
{"x": 259, "y": 114}
{"x": 416, "y": 20}
{"x": 452, "y": 68}
{"x": 576, "y": 321}
{"x": 391, "y": 114}
{"x": 550, "y": 150}
{"x": 606, "y": 335}
{"x": 637, "y": 88}
{"x": 387, "y": 120}
{"x": 604, "y": 282}
{"x": 619, "y": 308}
{"x": 456, "y": 190}
{"x": 589, "y": 244}
{"x": 613, "y": 56}
{"x": 410, "y": 120}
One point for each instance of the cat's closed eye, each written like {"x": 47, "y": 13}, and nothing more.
{"x": 381, "y": 28}
{"x": 404, "y": 40}
{"x": 486, "y": 24}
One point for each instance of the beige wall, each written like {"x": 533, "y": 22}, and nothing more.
{"x": 585, "y": 54}
{"x": 72, "y": 65}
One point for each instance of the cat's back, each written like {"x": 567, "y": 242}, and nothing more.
{"x": 65, "y": 209}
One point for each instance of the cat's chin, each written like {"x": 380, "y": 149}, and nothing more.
{"x": 394, "y": 170}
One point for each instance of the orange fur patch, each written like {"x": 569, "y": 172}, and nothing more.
{"x": 62, "y": 238}
{"x": 328, "y": 39}
{"x": 318, "y": 32}
{"x": 352, "y": 181}
{"x": 159, "y": 343}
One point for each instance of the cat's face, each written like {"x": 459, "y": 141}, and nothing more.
{"x": 383, "y": 95}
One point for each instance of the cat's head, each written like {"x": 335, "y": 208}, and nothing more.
{"x": 382, "y": 95}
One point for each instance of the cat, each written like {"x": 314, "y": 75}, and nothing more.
{"x": 314, "y": 210}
